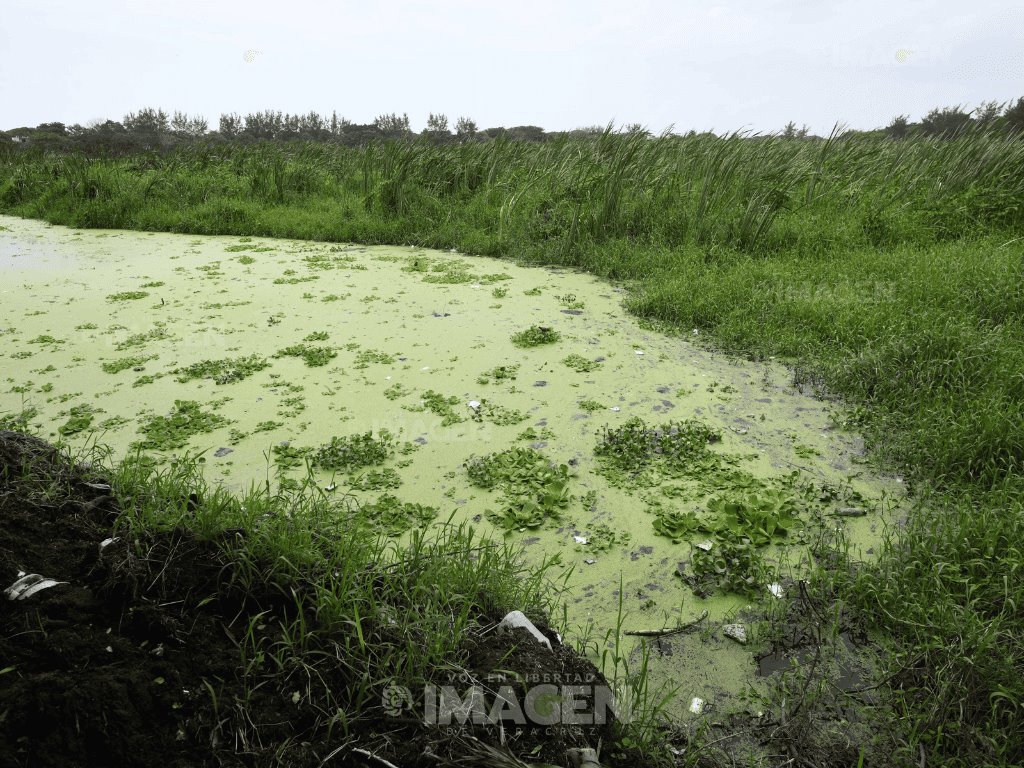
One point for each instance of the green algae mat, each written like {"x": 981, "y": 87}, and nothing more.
{"x": 680, "y": 485}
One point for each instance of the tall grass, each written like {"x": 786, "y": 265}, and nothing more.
{"x": 888, "y": 272}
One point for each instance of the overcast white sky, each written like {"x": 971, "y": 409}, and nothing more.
{"x": 703, "y": 65}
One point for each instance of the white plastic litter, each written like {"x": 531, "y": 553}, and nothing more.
{"x": 736, "y": 632}
{"x": 776, "y": 589}
{"x": 616, "y": 408}
{"x": 705, "y": 545}
{"x": 697, "y": 705}
{"x": 517, "y": 619}
{"x": 28, "y": 585}
{"x": 581, "y": 539}
{"x": 107, "y": 542}
{"x": 474, "y": 404}
{"x": 638, "y": 352}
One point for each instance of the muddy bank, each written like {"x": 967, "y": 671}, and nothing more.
{"x": 135, "y": 658}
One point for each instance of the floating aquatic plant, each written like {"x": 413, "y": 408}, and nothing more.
{"x": 535, "y": 336}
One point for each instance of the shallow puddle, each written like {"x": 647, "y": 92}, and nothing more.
{"x": 258, "y": 352}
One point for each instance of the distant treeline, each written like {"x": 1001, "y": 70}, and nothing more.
{"x": 156, "y": 129}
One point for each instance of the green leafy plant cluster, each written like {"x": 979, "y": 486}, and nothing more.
{"x": 314, "y": 357}
{"x": 124, "y": 363}
{"x": 535, "y": 336}
{"x": 634, "y": 446}
{"x": 141, "y": 339}
{"x": 395, "y": 517}
{"x": 367, "y": 357}
{"x": 581, "y": 364}
{"x": 533, "y": 489}
{"x": 351, "y": 452}
{"x": 173, "y": 431}
{"x": 224, "y": 371}
{"x": 127, "y": 296}
{"x": 442, "y": 406}
{"x": 499, "y": 374}
{"x": 758, "y": 517}
{"x": 80, "y": 419}
{"x": 734, "y": 565}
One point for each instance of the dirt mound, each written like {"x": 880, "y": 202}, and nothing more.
{"x": 135, "y": 660}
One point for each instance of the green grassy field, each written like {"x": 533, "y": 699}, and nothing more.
{"x": 888, "y": 272}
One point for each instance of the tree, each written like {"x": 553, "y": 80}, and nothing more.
{"x": 437, "y": 123}
{"x": 1015, "y": 117}
{"x": 190, "y": 127}
{"x": 58, "y": 129}
{"x": 393, "y": 125}
{"x": 147, "y": 123}
{"x": 898, "y": 128}
{"x": 945, "y": 123}
{"x": 987, "y": 113}
{"x": 792, "y": 132}
{"x": 465, "y": 128}
{"x": 230, "y": 125}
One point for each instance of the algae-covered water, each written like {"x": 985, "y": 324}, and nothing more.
{"x": 491, "y": 392}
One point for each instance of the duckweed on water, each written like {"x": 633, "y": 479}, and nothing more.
{"x": 223, "y": 371}
{"x": 535, "y": 335}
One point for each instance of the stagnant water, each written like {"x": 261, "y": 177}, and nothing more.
{"x": 417, "y": 336}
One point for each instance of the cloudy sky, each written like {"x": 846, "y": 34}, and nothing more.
{"x": 558, "y": 64}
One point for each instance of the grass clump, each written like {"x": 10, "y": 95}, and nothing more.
{"x": 314, "y": 357}
{"x": 173, "y": 431}
{"x": 535, "y": 336}
{"x": 224, "y": 371}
